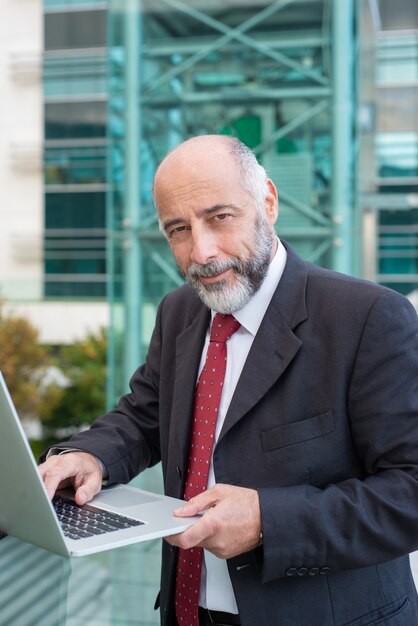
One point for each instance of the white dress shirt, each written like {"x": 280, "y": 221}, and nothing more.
{"x": 216, "y": 590}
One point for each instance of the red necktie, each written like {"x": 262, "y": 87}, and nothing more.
{"x": 207, "y": 400}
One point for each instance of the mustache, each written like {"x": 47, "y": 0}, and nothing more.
{"x": 213, "y": 268}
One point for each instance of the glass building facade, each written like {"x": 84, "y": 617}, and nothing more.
{"x": 262, "y": 72}
{"x": 75, "y": 152}
{"x": 126, "y": 81}
{"x": 397, "y": 159}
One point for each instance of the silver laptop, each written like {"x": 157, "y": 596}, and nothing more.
{"x": 118, "y": 516}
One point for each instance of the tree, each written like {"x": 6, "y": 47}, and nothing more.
{"x": 23, "y": 362}
{"x": 83, "y": 396}
{"x": 65, "y": 391}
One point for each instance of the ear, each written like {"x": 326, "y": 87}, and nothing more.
{"x": 271, "y": 203}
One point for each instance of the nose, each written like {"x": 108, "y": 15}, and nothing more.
{"x": 204, "y": 247}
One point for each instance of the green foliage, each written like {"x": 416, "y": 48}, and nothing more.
{"x": 23, "y": 362}
{"x": 83, "y": 398}
{"x": 67, "y": 390}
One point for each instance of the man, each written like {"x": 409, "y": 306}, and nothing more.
{"x": 310, "y": 494}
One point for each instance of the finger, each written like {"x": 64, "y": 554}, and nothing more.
{"x": 87, "y": 481}
{"x": 198, "y": 504}
{"x": 54, "y": 477}
{"x": 79, "y": 469}
{"x": 89, "y": 487}
{"x": 196, "y": 535}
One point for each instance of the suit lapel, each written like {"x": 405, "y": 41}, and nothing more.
{"x": 275, "y": 344}
{"x": 273, "y": 349}
{"x": 189, "y": 346}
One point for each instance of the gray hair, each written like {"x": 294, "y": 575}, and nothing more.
{"x": 253, "y": 175}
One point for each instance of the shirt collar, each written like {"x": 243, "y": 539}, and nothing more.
{"x": 251, "y": 315}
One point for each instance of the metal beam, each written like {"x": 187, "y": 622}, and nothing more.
{"x": 229, "y": 34}
{"x": 190, "y": 45}
{"x": 132, "y": 251}
{"x": 236, "y": 95}
{"x": 319, "y": 251}
{"x": 342, "y": 161}
{"x": 305, "y": 209}
{"x": 291, "y": 126}
{"x": 167, "y": 268}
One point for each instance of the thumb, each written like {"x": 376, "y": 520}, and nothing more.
{"x": 87, "y": 490}
{"x": 191, "y": 508}
{"x": 82, "y": 495}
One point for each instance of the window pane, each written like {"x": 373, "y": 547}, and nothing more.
{"x": 75, "y": 289}
{"x": 75, "y": 74}
{"x": 397, "y": 155}
{"x": 75, "y": 120}
{"x": 75, "y": 245}
{"x": 75, "y": 29}
{"x": 75, "y": 210}
{"x": 75, "y": 165}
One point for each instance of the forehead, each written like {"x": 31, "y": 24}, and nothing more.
{"x": 195, "y": 177}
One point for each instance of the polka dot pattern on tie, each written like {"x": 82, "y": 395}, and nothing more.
{"x": 207, "y": 400}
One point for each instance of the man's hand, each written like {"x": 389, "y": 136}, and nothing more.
{"x": 231, "y": 523}
{"x": 79, "y": 470}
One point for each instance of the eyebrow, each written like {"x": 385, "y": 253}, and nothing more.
{"x": 201, "y": 213}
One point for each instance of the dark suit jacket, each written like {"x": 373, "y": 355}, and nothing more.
{"x": 323, "y": 423}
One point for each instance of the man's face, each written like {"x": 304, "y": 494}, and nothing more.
{"x": 222, "y": 244}
{"x": 243, "y": 278}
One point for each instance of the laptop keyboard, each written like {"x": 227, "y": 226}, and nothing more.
{"x": 79, "y": 522}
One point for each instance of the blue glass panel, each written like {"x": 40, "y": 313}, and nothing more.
{"x": 48, "y": 4}
{"x": 75, "y": 29}
{"x": 69, "y": 165}
{"x": 71, "y": 74}
{"x": 75, "y": 120}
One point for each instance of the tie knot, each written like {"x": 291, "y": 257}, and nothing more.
{"x": 223, "y": 326}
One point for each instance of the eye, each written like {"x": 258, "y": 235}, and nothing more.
{"x": 221, "y": 217}
{"x": 177, "y": 230}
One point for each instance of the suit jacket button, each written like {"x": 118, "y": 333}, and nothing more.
{"x": 292, "y": 571}
{"x": 302, "y": 571}
{"x": 325, "y": 570}
{"x": 179, "y": 472}
{"x": 313, "y": 571}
